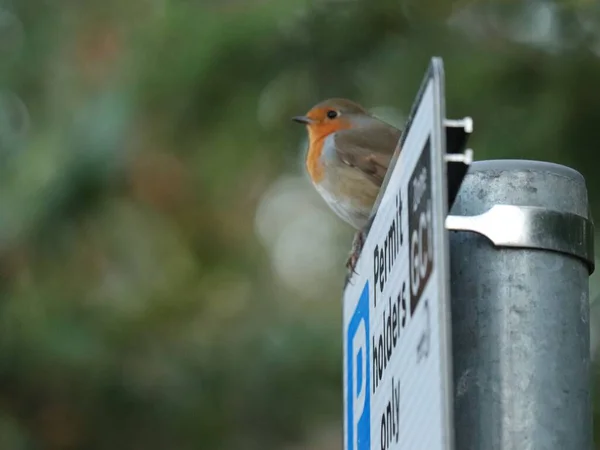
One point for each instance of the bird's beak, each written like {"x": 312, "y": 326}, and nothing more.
{"x": 303, "y": 119}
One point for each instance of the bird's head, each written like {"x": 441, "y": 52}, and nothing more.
{"x": 330, "y": 116}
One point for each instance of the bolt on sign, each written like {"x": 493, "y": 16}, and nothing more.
{"x": 397, "y": 350}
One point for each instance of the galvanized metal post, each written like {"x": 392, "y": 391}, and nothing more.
{"x": 520, "y": 310}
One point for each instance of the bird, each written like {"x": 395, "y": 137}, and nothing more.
{"x": 349, "y": 152}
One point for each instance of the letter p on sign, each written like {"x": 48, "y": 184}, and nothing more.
{"x": 358, "y": 394}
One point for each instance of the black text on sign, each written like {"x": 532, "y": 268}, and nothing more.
{"x": 420, "y": 226}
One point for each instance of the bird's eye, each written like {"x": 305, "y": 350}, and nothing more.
{"x": 332, "y": 114}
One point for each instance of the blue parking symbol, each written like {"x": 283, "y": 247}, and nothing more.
{"x": 358, "y": 394}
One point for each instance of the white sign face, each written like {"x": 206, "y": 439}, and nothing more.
{"x": 397, "y": 366}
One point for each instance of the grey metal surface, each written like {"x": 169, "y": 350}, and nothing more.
{"x": 520, "y": 320}
{"x": 532, "y": 227}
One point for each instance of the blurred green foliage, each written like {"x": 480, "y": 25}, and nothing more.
{"x": 138, "y": 309}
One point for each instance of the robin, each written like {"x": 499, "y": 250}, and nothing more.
{"x": 349, "y": 152}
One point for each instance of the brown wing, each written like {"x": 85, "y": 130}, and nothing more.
{"x": 371, "y": 151}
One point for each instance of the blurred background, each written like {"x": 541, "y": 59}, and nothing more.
{"x": 169, "y": 279}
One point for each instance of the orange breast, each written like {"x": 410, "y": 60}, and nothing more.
{"x": 316, "y": 137}
{"x": 313, "y": 164}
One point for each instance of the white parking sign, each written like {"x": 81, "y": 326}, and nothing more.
{"x": 397, "y": 355}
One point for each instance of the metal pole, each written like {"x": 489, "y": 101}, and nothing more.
{"x": 520, "y": 316}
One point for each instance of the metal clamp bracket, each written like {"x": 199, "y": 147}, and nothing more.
{"x": 532, "y": 227}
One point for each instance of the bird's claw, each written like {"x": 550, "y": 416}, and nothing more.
{"x": 357, "y": 245}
